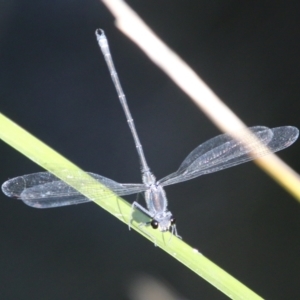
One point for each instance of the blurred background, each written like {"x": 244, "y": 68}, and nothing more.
{"x": 54, "y": 82}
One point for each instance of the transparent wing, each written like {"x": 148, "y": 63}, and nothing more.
{"x": 44, "y": 190}
{"x": 223, "y": 151}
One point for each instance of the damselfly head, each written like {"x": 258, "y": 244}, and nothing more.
{"x": 163, "y": 222}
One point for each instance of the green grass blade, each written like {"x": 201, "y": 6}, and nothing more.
{"x": 55, "y": 163}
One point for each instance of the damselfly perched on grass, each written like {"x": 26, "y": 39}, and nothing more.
{"x": 44, "y": 190}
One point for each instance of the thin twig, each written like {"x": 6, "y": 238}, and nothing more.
{"x": 220, "y": 114}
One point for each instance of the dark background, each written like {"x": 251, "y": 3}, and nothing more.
{"x": 54, "y": 83}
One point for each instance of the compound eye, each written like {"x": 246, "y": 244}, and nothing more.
{"x": 154, "y": 224}
{"x": 173, "y": 220}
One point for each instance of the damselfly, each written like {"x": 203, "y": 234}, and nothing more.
{"x": 44, "y": 190}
